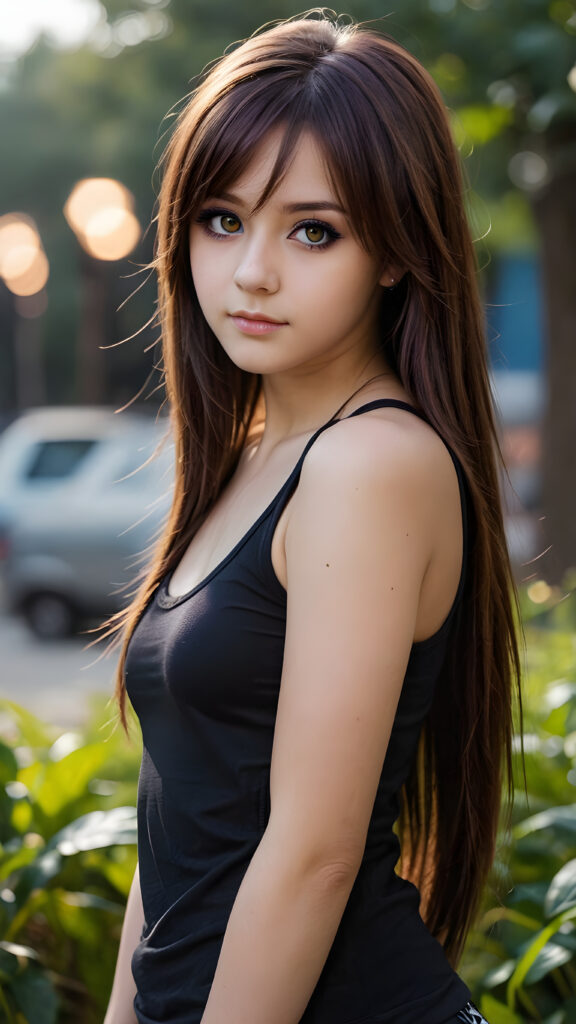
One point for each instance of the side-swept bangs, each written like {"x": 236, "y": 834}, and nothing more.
{"x": 371, "y": 108}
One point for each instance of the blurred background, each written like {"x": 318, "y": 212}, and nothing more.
{"x": 85, "y": 87}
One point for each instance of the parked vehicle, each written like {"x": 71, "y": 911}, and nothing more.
{"x": 520, "y": 400}
{"x": 77, "y": 513}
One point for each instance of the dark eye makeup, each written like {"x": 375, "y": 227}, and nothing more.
{"x": 317, "y": 225}
{"x": 312, "y": 225}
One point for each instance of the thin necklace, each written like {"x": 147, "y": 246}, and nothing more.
{"x": 376, "y": 376}
{"x": 350, "y": 397}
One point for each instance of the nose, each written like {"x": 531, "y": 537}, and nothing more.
{"x": 257, "y": 268}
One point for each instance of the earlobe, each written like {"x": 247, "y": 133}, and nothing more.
{"x": 390, "y": 277}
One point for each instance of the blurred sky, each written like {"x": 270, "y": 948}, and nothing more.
{"x": 65, "y": 22}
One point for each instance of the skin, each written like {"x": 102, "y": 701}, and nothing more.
{"x": 120, "y": 1007}
{"x": 372, "y": 537}
{"x": 327, "y": 297}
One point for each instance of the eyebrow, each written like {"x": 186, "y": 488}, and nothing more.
{"x": 312, "y": 204}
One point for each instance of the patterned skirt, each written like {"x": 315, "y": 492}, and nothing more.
{"x": 470, "y": 1015}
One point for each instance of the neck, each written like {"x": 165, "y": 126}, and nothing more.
{"x": 292, "y": 406}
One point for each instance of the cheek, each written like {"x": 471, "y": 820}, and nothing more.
{"x": 338, "y": 289}
{"x": 204, "y": 271}
{"x": 201, "y": 250}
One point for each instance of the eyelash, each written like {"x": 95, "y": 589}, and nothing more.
{"x": 207, "y": 215}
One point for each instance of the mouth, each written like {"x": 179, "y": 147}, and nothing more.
{"x": 255, "y": 323}
{"x": 242, "y": 314}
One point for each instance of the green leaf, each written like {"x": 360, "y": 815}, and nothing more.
{"x": 35, "y": 997}
{"x": 92, "y": 831}
{"x": 37, "y": 875}
{"x": 561, "y": 893}
{"x": 22, "y": 815}
{"x": 498, "y": 975}
{"x": 13, "y": 860}
{"x": 8, "y": 764}
{"x": 562, "y": 818}
{"x": 81, "y": 919}
{"x": 66, "y": 780}
{"x": 531, "y": 892}
{"x": 548, "y": 959}
{"x": 33, "y": 732}
{"x": 96, "y": 830}
{"x": 481, "y": 123}
{"x": 14, "y": 956}
{"x": 529, "y": 957}
{"x": 119, "y": 870}
{"x": 496, "y": 1012}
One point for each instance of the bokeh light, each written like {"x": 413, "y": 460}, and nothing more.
{"x": 100, "y": 212}
{"x": 539, "y": 592}
{"x": 111, "y": 234}
{"x": 23, "y": 263}
{"x": 528, "y": 171}
{"x": 33, "y": 279}
{"x": 91, "y": 195}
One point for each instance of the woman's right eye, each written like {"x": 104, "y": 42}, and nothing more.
{"x": 220, "y": 222}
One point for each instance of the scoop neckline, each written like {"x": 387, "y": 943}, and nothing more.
{"x": 167, "y": 600}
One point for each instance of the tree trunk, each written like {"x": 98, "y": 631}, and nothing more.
{"x": 555, "y": 213}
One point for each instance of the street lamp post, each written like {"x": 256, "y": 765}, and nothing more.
{"x": 100, "y": 212}
{"x": 25, "y": 270}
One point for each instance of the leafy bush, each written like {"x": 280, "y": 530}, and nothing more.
{"x": 521, "y": 960}
{"x": 67, "y": 857}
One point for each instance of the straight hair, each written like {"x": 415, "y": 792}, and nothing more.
{"x": 383, "y": 130}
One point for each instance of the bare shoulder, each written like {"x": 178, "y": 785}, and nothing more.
{"x": 377, "y": 449}
{"x": 378, "y": 498}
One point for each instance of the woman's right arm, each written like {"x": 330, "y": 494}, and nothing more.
{"x": 121, "y": 1005}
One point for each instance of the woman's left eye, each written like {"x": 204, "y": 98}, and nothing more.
{"x": 220, "y": 222}
{"x": 315, "y": 234}
{"x": 228, "y": 223}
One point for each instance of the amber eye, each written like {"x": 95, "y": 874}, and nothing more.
{"x": 230, "y": 223}
{"x": 315, "y": 233}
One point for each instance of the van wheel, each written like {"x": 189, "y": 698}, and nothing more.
{"x": 49, "y": 616}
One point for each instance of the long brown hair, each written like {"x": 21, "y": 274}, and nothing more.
{"x": 383, "y": 129}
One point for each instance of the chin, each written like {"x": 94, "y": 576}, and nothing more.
{"x": 252, "y": 359}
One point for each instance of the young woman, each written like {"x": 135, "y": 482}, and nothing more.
{"x": 324, "y": 645}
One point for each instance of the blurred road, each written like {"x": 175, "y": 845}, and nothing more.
{"x": 53, "y": 680}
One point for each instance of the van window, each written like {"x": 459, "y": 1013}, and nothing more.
{"x": 54, "y": 460}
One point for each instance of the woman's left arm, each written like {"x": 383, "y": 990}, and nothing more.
{"x": 358, "y": 544}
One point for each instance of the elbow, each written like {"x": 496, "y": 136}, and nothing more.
{"x": 327, "y": 867}
{"x": 334, "y": 876}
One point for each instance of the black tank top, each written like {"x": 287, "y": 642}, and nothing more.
{"x": 203, "y": 673}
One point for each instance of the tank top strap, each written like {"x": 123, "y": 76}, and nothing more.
{"x": 384, "y": 403}
{"x": 377, "y": 403}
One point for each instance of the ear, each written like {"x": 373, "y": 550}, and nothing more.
{"x": 391, "y": 276}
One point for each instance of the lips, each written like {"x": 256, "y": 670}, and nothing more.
{"x": 242, "y": 314}
{"x": 255, "y": 324}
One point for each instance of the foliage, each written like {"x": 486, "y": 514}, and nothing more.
{"x": 502, "y": 64}
{"x": 521, "y": 960}
{"x": 67, "y": 858}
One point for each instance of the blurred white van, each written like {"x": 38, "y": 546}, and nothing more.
{"x": 77, "y": 513}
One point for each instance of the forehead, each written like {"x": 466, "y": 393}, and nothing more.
{"x": 304, "y": 176}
